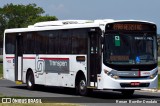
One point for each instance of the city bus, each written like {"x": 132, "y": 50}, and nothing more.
{"x": 87, "y": 55}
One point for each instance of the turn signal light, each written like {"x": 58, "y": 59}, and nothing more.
{"x": 115, "y": 77}
{"x": 106, "y": 71}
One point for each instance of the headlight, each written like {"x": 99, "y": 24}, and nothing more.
{"x": 153, "y": 75}
{"x": 111, "y": 73}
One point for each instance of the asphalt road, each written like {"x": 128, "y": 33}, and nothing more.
{"x": 9, "y": 88}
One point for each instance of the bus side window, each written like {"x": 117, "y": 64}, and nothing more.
{"x": 10, "y": 43}
{"x": 50, "y": 43}
{"x": 79, "y": 41}
{"x": 74, "y": 42}
{"x": 29, "y": 43}
{"x": 83, "y": 42}
{"x": 53, "y": 42}
{"x": 65, "y": 44}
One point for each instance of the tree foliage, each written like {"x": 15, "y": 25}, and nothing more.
{"x": 41, "y": 19}
{"x": 17, "y": 16}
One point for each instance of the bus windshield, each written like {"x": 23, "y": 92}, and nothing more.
{"x": 129, "y": 49}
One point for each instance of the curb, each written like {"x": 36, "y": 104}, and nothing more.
{"x": 151, "y": 90}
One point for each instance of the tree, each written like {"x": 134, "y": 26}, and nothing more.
{"x": 41, "y": 19}
{"x": 17, "y": 16}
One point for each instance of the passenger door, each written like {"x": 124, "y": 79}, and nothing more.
{"x": 18, "y": 57}
{"x": 94, "y": 56}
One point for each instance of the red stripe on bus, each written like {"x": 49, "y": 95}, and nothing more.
{"x": 28, "y": 57}
{"x": 55, "y": 58}
{"x": 44, "y": 58}
{"x": 139, "y": 73}
{"x": 9, "y": 57}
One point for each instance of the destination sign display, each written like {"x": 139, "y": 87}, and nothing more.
{"x": 131, "y": 26}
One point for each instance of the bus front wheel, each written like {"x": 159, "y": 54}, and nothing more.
{"x": 82, "y": 87}
{"x": 127, "y": 93}
{"x": 30, "y": 81}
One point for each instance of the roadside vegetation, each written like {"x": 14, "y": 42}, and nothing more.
{"x": 159, "y": 81}
{"x": 1, "y": 59}
{"x": 1, "y": 70}
{"x": 1, "y": 95}
{"x": 158, "y": 63}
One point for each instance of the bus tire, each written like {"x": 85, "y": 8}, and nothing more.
{"x": 127, "y": 93}
{"x": 82, "y": 87}
{"x": 30, "y": 80}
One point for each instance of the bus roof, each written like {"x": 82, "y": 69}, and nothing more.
{"x": 55, "y": 25}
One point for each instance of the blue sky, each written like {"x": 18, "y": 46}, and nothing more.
{"x": 98, "y": 9}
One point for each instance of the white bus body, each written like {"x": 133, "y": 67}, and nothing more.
{"x": 67, "y": 67}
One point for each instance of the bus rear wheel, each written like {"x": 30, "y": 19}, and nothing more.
{"x": 30, "y": 81}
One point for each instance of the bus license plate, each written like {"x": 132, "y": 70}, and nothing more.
{"x": 135, "y": 83}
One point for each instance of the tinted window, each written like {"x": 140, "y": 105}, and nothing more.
{"x": 10, "y": 43}
{"x": 53, "y": 42}
{"x": 29, "y": 43}
{"x": 73, "y": 41}
{"x": 65, "y": 41}
{"x": 79, "y": 41}
{"x": 41, "y": 42}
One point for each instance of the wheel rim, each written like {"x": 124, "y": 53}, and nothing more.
{"x": 30, "y": 81}
{"x": 82, "y": 86}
